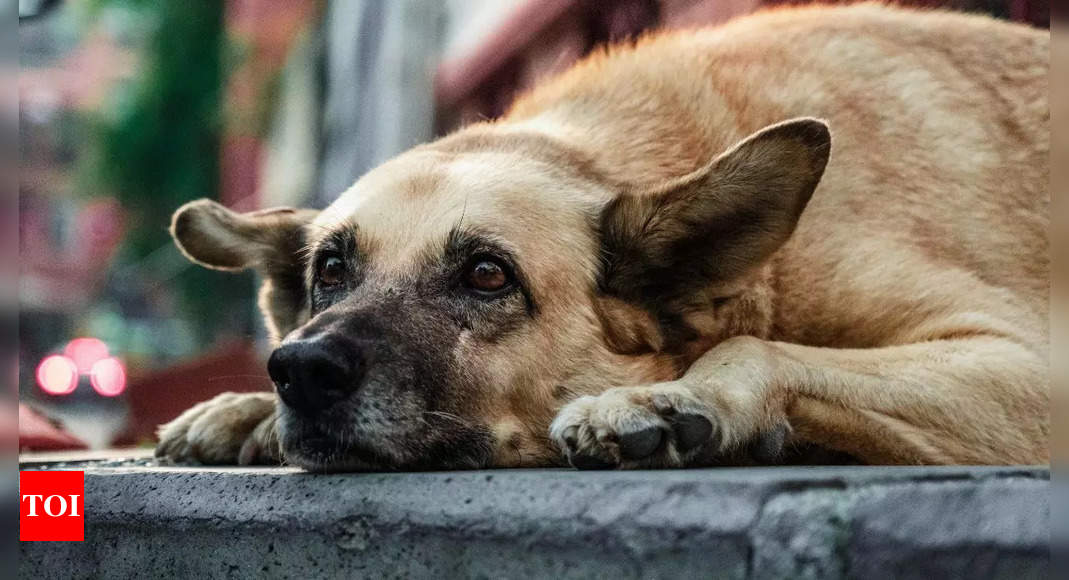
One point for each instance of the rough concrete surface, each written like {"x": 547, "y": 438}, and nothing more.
{"x": 857, "y": 522}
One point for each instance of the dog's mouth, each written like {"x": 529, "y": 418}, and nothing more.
{"x": 326, "y": 454}
{"x": 313, "y": 448}
{"x": 310, "y": 448}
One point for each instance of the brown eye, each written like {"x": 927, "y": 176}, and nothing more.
{"x": 487, "y": 276}
{"x": 331, "y": 271}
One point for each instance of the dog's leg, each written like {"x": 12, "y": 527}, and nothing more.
{"x": 231, "y": 429}
{"x": 970, "y": 400}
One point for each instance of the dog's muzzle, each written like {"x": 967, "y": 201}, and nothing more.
{"x": 356, "y": 396}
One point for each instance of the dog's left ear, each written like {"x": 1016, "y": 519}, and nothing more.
{"x": 716, "y": 223}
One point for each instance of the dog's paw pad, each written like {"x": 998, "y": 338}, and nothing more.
{"x": 691, "y": 431}
{"x": 767, "y": 447}
{"x": 640, "y": 444}
{"x": 590, "y": 462}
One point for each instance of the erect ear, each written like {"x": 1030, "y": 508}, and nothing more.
{"x": 216, "y": 237}
{"x": 716, "y": 223}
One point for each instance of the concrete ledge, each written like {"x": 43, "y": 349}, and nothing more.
{"x": 144, "y": 520}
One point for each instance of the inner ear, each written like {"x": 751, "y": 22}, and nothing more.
{"x": 717, "y": 223}
{"x": 627, "y": 328}
{"x": 217, "y": 237}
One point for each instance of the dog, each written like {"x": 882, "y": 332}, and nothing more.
{"x": 809, "y": 232}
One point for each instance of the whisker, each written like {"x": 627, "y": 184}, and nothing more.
{"x": 225, "y": 377}
{"x": 449, "y": 416}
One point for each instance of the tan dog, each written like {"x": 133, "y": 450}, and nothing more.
{"x": 653, "y": 261}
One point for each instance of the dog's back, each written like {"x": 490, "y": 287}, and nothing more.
{"x": 931, "y": 216}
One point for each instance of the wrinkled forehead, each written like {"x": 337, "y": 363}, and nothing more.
{"x": 407, "y": 208}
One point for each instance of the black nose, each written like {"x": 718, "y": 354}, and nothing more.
{"x": 311, "y": 375}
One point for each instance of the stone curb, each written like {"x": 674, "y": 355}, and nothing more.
{"x": 851, "y": 522}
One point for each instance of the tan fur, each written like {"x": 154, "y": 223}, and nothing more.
{"x": 903, "y": 321}
{"x": 231, "y": 428}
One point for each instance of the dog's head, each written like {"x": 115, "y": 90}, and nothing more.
{"x": 441, "y": 311}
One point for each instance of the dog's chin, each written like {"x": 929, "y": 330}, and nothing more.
{"x": 326, "y": 458}
{"x": 324, "y": 454}
{"x": 310, "y": 449}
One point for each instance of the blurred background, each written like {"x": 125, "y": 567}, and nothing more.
{"x": 129, "y": 108}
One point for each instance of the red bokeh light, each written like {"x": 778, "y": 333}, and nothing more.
{"x": 108, "y": 377}
{"x": 85, "y": 352}
{"x": 57, "y": 375}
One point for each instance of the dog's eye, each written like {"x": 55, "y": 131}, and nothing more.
{"x": 487, "y": 275}
{"x": 331, "y": 271}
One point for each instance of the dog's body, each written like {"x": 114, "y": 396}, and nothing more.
{"x": 674, "y": 304}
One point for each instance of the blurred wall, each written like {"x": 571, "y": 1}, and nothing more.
{"x": 380, "y": 58}
{"x": 472, "y": 21}
{"x": 396, "y": 73}
{"x": 480, "y": 78}
{"x": 378, "y": 100}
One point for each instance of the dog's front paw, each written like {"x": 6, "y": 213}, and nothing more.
{"x": 231, "y": 429}
{"x": 660, "y": 425}
{"x": 655, "y": 426}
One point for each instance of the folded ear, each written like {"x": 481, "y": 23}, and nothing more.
{"x": 716, "y": 223}
{"x": 216, "y": 237}
{"x": 271, "y": 241}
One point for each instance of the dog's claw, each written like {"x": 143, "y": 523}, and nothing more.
{"x": 571, "y": 438}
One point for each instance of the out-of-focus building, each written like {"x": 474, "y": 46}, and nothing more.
{"x": 81, "y": 63}
{"x": 532, "y": 39}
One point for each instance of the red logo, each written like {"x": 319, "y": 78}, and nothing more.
{"x": 51, "y": 506}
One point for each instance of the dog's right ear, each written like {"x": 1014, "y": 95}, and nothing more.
{"x": 216, "y": 237}
{"x": 270, "y": 241}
